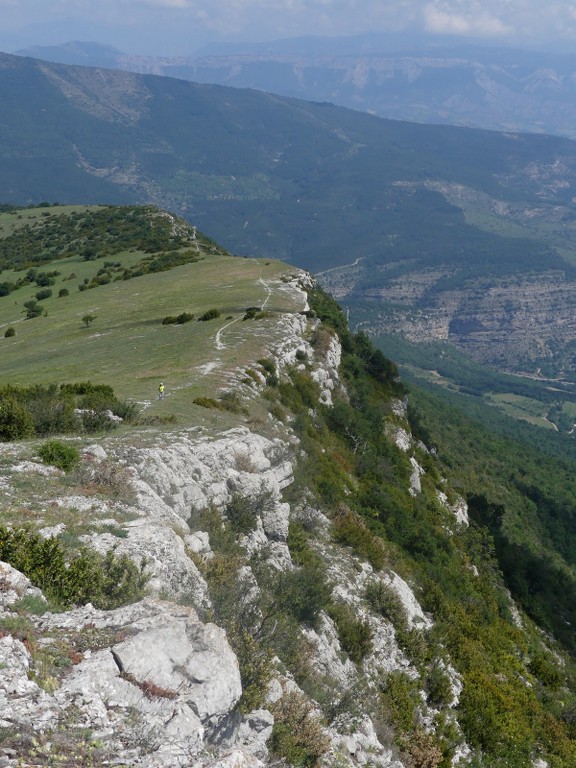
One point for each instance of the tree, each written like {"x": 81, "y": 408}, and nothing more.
{"x": 88, "y": 319}
{"x": 33, "y": 309}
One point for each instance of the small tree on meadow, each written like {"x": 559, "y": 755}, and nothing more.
{"x": 88, "y": 320}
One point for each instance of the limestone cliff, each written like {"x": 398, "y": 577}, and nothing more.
{"x": 166, "y": 681}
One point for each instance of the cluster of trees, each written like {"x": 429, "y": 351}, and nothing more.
{"x": 92, "y": 233}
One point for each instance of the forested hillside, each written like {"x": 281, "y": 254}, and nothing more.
{"x": 436, "y": 232}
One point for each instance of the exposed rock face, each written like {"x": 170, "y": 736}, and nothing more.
{"x": 516, "y": 323}
{"x": 14, "y": 586}
{"x": 166, "y": 687}
{"x": 156, "y": 682}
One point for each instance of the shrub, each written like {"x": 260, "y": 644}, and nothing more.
{"x": 420, "y": 750}
{"x": 63, "y": 292}
{"x": 127, "y": 410}
{"x": 183, "y": 317}
{"x": 106, "y": 581}
{"x": 384, "y": 600}
{"x": 33, "y": 309}
{"x": 86, "y": 388}
{"x": 300, "y": 550}
{"x": 268, "y": 364}
{"x": 399, "y": 701}
{"x": 348, "y": 529}
{"x": 45, "y": 293}
{"x": 52, "y": 413}
{"x": 297, "y": 734}
{"x": 354, "y": 634}
{"x": 542, "y": 666}
{"x": 251, "y": 313}
{"x": 59, "y": 454}
{"x": 88, "y": 320}
{"x": 242, "y": 512}
{"x": 438, "y": 687}
{"x": 279, "y": 412}
{"x": 302, "y": 593}
{"x": 232, "y": 402}
{"x": 97, "y": 421}
{"x": 208, "y": 402}
{"x": 108, "y": 476}
{"x": 211, "y": 314}
{"x": 15, "y": 420}
{"x": 9, "y": 332}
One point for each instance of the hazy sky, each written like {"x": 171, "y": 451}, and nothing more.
{"x": 180, "y": 26}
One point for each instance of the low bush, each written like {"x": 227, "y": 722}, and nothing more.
{"x": 438, "y": 688}
{"x": 107, "y": 581}
{"x": 302, "y": 593}
{"x": 63, "y": 292}
{"x": 107, "y": 476}
{"x": 9, "y": 332}
{"x": 251, "y": 312}
{"x": 399, "y": 702}
{"x": 354, "y": 634}
{"x": 297, "y": 734}
{"x": 242, "y": 512}
{"x": 208, "y": 402}
{"x": 349, "y": 529}
{"x": 33, "y": 309}
{"x": 183, "y": 317}
{"x": 211, "y": 314}
{"x": 15, "y": 420}
{"x": 45, "y": 293}
{"x": 384, "y": 600}
{"x": 96, "y": 421}
{"x": 231, "y": 401}
{"x": 59, "y": 455}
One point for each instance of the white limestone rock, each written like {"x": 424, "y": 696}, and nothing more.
{"x": 253, "y": 732}
{"x": 417, "y": 472}
{"x": 175, "y": 674}
{"x": 414, "y": 613}
{"x": 163, "y": 552}
{"x": 400, "y": 437}
{"x": 198, "y": 542}
{"x": 14, "y": 586}
{"x": 22, "y": 701}
{"x": 354, "y": 740}
{"x": 459, "y": 508}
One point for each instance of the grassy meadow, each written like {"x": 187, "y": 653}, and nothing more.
{"x": 126, "y": 344}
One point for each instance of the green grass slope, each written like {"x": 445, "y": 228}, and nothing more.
{"x": 126, "y": 345}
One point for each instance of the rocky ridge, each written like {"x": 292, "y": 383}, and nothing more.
{"x": 156, "y": 683}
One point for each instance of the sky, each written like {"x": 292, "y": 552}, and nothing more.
{"x": 180, "y": 27}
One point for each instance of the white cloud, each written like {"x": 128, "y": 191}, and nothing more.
{"x": 440, "y": 18}
{"x": 166, "y": 20}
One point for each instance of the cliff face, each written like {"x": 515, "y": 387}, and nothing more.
{"x": 156, "y": 683}
{"x": 211, "y": 669}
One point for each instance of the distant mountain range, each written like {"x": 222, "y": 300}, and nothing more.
{"x": 435, "y": 231}
{"x": 447, "y": 83}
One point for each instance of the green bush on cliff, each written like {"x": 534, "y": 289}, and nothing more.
{"x": 107, "y": 581}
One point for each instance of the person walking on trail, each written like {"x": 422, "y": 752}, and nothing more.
{"x": 161, "y": 391}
